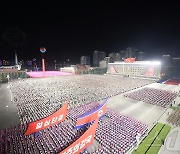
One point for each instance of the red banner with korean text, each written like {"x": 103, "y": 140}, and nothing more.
{"x": 129, "y": 60}
{"x": 83, "y": 142}
{"x": 51, "y": 120}
{"x": 91, "y": 115}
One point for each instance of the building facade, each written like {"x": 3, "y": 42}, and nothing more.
{"x": 166, "y": 60}
{"x": 115, "y": 56}
{"x": 131, "y": 53}
{"x": 137, "y": 69}
{"x": 141, "y": 56}
{"x": 122, "y": 53}
{"x": 97, "y": 57}
{"x": 85, "y": 60}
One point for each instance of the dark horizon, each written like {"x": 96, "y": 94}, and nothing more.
{"x": 69, "y": 31}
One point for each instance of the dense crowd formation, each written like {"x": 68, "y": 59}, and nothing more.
{"x": 50, "y": 140}
{"x": 153, "y": 96}
{"x": 117, "y": 132}
{"x": 40, "y": 97}
{"x": 174, "y": 118}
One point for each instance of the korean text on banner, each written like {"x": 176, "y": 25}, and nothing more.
{"x": 51, "y": 120}
{"x": 83, "y": 142}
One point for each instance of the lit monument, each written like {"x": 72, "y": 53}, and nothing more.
{"x": 43, "y": 73}
{"x": 43, "y": 50}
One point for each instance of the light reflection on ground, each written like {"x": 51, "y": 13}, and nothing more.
{"x": 41, "y": 74}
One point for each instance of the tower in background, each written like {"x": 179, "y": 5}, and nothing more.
{"x": 166, "y": 60}
{"x": 16, "y": 59}
{"x": 97, "y": 57}
{"x": 85, "y": 60}
{"x": 130, "y": 52}
{"x": 141, "y": 56}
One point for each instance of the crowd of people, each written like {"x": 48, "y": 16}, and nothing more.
{"x": 50, "y": 140}
{"x": 174, "y": 118}
{"x": 40, "y": 97}
{"x": 115, "y": 133}
{"x": 153, "y": 96}
{"x": 118, "y": 133}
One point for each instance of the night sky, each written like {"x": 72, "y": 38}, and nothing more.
{"x": 72, "y": 29}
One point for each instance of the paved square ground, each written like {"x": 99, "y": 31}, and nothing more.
{"x": 8, "y": 111}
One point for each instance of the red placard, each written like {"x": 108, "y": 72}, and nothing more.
{"x": 51, "y": 120}
{"x": 83, "y": 142}
{"x": 92, "y": 115}
{"x": 129, "y": 60}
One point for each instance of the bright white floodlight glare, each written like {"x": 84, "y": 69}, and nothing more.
{"x": 156, "y": 62}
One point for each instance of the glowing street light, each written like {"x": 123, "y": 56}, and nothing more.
{"x": 7, "y": 107}
{"x": 8, "y": 77}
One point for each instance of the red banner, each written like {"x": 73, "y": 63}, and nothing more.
{"x": 83, "y": 142}
{"x": 92, "y": 115}
{"x": 150, "y": 71}
{"x": 51, "y": 120}
{"x": 129, "y": 60}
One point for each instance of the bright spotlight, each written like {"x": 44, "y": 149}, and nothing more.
{"x": 156, "y": 63}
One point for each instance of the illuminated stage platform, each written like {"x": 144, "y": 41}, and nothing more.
{"x": 42, "y": 74}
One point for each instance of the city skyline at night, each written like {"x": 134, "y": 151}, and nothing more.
{"x": 71, "y": 30}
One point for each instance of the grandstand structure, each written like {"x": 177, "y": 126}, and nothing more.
{"x": 150, "y": 69}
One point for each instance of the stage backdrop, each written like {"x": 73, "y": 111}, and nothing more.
{"x": 51, "y": 120}
{"x": 92, "y": 115}
{"x": 83, "y": 142}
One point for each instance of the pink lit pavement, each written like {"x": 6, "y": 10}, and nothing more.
{"x": 42, "y": 74}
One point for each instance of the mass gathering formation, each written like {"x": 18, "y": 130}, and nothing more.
{"x": 119, "y": 132}
{"x": 48, "y": 94}
{"x": 38, "y": 98}
{"x": 153, "y": 96}
{"x": 52, "y": 139}
{"x": 59, "y": 136}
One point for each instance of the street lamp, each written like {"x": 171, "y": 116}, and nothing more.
{"x": 34, "y": 64}
{"x": 8, "y": 77}
{"x": 7, "y": 107}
